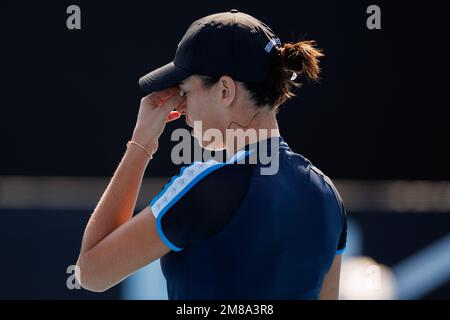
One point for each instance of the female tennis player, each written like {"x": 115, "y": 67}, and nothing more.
{"x": 223, "y": 229}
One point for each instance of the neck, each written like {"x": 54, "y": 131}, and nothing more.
{"x": 262, "y": 126}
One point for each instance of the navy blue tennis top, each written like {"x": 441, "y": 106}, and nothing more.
{"x": 265, "y": 224}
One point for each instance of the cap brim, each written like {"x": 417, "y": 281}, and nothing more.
{"x": 164, "y": 77}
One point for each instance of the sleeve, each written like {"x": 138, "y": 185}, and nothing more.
{"x": 200, "y": 201}
{"x": 343, "y": 236}
{"x": 342, "y": 242}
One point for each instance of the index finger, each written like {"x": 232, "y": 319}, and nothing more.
{"x": 159, "y": 97}
{"x": 173, "y": 102}
{"x": 166, "y": 94}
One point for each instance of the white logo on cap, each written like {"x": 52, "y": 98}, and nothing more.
{"x": 273, "y": 42}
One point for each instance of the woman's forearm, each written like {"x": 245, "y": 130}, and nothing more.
{"x": 118, "y": 202}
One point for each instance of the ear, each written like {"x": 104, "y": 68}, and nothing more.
{"x": 227, "y": 90}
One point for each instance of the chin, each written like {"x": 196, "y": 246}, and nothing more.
{"x": 208, "y": 145}
{"x": 212, "y": 147}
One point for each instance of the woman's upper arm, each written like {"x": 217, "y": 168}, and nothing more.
{"x": 130, "y": 247}
{"x": 330, "y": 287}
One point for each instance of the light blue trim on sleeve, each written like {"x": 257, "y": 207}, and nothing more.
{"x": 341, "y": 251}
{"x": 185, "y": 189}
{"x": 169, "y": 184}
{"x": 179, "y": 195}
{"x": 164, "y": 238}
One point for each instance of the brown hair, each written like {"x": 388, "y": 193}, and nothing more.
{"x": 301, "y": 58}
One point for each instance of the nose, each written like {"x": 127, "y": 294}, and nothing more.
{"x": 182, "y": 107}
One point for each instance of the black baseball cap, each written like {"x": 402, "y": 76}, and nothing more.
{"x": 228, "y": 43}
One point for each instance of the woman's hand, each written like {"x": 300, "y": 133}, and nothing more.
{"x": 155, "y": 111}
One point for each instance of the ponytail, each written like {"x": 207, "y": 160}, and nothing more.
{"x": 293, "y": 60}
{"x": 302, "y": 58}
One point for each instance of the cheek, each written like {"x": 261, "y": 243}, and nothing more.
{"x": 192, "y": 108}
{"x": 208, "y": 115}
{"x": 196, "y": 107}
{"x": 202, "y": 108}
